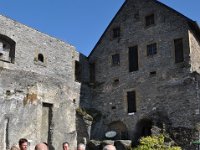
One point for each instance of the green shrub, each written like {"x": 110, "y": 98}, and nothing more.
{"x": 155, "y": 143}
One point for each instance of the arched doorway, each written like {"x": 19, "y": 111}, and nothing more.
{"x": 120, "y": 128}
{"x": 143, "y": 128}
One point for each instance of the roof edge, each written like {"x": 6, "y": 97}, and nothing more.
{"x": 192, "y": 24}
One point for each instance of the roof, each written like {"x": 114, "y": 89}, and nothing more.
{"x": 192, "y": 24}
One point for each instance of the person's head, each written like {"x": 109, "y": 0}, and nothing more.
{"x": 81, "y": 146}
{"x": 14, "y": 147}
{"x": 65, "y": 146}
{"x": 41, "y": 146}
{"x": 23, "y": 144}
{"x": 109, "y": 147}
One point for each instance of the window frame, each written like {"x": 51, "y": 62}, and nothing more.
{"x": 152, "y": 49}
{"x": 150, "y": 20}
{"x": 128, "y": 102}
{"x": 116, "y": 32}
{"x": 115, "y": 59}
{"x": 176, "y": 49}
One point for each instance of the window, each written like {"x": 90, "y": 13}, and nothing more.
{"x": 7, "y": 49}
{"x": 149, "y": 20}
{"x": 77, "y": 71}
{"x": 116, "y": 81}
{"x": 152, "y": 73}
{"x": 178, "y": 44}
{"x": 151, "y": 49}
{"x": 131, "y": 101}
{"x": 115, "y": 59}
{"x": 92, "y": 73}
{"x": 40, "y": 58}
{"x": 133, "y": 58}
{"x": 116, "y": 32}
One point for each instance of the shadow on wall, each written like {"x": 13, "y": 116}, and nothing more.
{"x": 83, "y": 117}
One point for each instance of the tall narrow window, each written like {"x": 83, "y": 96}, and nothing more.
{"x": 151, "y": 49}
{"x": 178, "y": 44}
{"x": 40, "y": 58}
{"x": 149, "y": 20}
{"x": 133, "y": 58}
{"x": 115, "y": 59}
{"x": 92, "y": 73}
{"x": 116, "y": 32}
{"x": 131, "y": 101}
{"x": 77, "y": 71}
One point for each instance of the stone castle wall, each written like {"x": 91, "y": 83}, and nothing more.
{"x": 38, "y": 99}
{"x": 166, "y": 97}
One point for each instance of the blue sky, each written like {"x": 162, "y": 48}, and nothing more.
{"x": 78, "y": 22}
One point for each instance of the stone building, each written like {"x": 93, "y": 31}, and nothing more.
{"x": 39, "y": 89}
{"x": 147, "y": 74}
{"x": 142, "y": 75}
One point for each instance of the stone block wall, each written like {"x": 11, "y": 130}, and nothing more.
{"x": 169, "y": 92}
{"x": 38, "y": 96}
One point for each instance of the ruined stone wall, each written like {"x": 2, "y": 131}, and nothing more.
{"x": 170, "y": 92}
{"x": 38, "y": 100}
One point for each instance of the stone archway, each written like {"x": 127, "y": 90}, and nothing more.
{"x": 143, "y": 128}
{"x": 120, "y": 128}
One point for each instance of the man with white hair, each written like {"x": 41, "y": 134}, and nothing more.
{"x": 81, "y": 146}
{"x": 109, "y": 147}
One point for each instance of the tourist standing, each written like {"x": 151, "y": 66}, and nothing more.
{"x": 81, "y": 146}
{"x": 23, "y": 144}
{"x": 65, "y": 146}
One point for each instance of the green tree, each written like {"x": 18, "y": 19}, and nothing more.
{"x": 155, "y": 143}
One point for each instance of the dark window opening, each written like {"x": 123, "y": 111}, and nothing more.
{"x": 151, "y": 49}
{"x": 40, "y": 58}
{"x": 115, "y": 59}
{"x": 113, "y": 107}
{"x": 77, "y": 71}
{"x": 179, "y": 56}
{"x": 74, "y": 101}
{"x": 152, "y": 73}
{"x": 116, "y": 81}
{"x": 133, "y": 58}
{"x": 7, "y": 49}
{"x": 92, "y": 73}
{"x": 150, "y": 20}
{"x": 131, "y": 99}
{"x": 116, "y": 32}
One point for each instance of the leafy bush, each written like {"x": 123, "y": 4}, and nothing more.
{"x": 155, "y": 143}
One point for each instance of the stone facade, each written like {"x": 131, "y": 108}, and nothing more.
{"x": 166, "y": 92}
{"x": 38, "y": 91}
{"x": 51, "y": 93}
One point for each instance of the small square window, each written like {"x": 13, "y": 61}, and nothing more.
{"x": 116, "y": 32}
{"x": 152, "y": 73}
{"x": 151, "y": 49}
{"x": 150, "y": 20}
{"x": 115, "y": 59}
